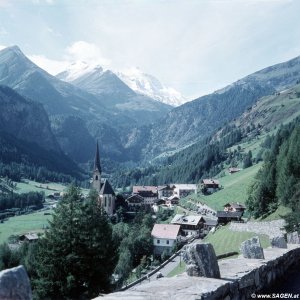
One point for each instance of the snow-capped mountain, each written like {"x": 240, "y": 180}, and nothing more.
{"x": 149, "y": 85}
{"x": 141, "y": 83}
{"x": 78, "y": 69}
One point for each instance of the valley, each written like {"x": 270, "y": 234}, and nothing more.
{"x": 221, "y": 158}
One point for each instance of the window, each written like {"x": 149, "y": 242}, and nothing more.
{"x": 167, "y": 242}
{"x": 104, "y": 201}
{"x": 158, "y": 241}
{"x": 96, "y": 177}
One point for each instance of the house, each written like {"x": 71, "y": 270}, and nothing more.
{"x": 28, "y": 237}
{"x": 165, "y": 237}
{"x": 190, "y": 225}
{"x": 183, "y": 190}
{"x": 166, "y": 191}
{"x": 210, "y": 185}
{"x": 209, "y": 224}
{"x": 149, "y": 193}
{"x": 234, "y": 207}
{"x": 134, "y": 202}
{"x": 227, "y": 216}
{"x": 233, "y": 170}
{"x": 173, "y": 200}
{"x": 107, "y": 197}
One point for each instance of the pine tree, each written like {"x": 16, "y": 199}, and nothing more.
{"x": 77, "y": 256}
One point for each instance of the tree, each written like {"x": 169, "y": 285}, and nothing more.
{"x": 77, "y": 256}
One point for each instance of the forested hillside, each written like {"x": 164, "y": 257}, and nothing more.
{"x": 278, "y": 180}
{"x": 28, "y": 147}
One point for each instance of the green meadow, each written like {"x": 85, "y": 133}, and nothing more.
{"x": 35, "y": 222}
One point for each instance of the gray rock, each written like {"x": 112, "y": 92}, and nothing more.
{"x": 278, "y": 242}
{"x": 252, "y": 249}
{"x": 293, "y": 238}
{"x": 201, "y": 260}
{"x": 14, "y": 284}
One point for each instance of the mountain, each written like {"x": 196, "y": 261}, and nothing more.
{"x": 148, "y": 85}
{"x": 96, "y": 80}
{"x": 227, "y": 147}
{"x": 279, "y": 76}
{"x": 111, "y": 113}
{"x": 197, "y": 119}
{"x": 25, "y": 120}
{"x": 26, "y": 135}
{"x": 114, "y": 93}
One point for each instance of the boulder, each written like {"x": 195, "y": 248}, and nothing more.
{"x": 252, "y": 249}
{"x": 293, "y": 238}
{"x": 15, "y": 284}
{"x": 278, "y": 242}
{"x": 201, "y": 260}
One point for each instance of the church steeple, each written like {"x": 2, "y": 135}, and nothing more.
{"x": 97, "y": 165}
{"x": 96, "y": 183}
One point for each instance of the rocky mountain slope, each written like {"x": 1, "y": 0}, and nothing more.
{"x": 148, "y": 85}
{"x": 26, "y": 135}
{"x": 194, "y": 120}
{"x": 112, "y": 113}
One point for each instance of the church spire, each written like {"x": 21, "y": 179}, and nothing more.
{"x": 97, "y": 165}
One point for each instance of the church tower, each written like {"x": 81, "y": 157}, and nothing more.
{"x": 96, "y": 183}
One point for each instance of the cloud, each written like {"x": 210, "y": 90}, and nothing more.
{"x": 87, "y": 52}
{"x": 51, "y": 66}
{"x": 78, "y": 51}
{"x": 2, "y": 47}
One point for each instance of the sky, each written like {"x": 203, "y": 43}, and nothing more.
{"x": 194, "y": 46}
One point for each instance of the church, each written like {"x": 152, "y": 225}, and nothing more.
{"x": 106, "y": 193}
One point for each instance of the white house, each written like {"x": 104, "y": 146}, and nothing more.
{"x": 165, "y": 237}
{"x": 183, "y": 190}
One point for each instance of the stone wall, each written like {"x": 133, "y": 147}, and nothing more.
{"x": 240, "y": 277}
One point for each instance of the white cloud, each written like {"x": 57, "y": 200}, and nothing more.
{"x": 78, "y": 51}
{"x": 87, "y": 52}
{"x": 51, "y": 66}
{"x": 2, "y": 47}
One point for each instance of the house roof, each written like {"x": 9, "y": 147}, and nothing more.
{"x": 210, "y": 181}
{"x": 234, "y": 170}
{"x": 229, "y": 214}
{"x": 30, "y": 236}
{"x": 165, "y": 231}
{"x": 188, "y": 220}
{"x": 235, "y": 205}
{"x": 210, "y": 222}
{"x": 135, "y": 199}
{"x": 144, "y": 188}
{"x": 185, "y": 186}
{"x": 106, "y": 188}
{"x": 166, "y": 187}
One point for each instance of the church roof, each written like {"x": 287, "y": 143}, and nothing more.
{"x": 97, "y": 165}
{"x": 106, "y": 188}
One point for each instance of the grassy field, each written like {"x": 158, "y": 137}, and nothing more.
{"x": 234, "y": 189}
{"x": 32, "y": 186}
{"x": 225, "y": 240}
{"x": 48, "y": 188}
{"x": 18, "y": 225}
{"x": 280, "y": 212}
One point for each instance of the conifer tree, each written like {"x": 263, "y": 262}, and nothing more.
{"x": 77, "y": 256}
